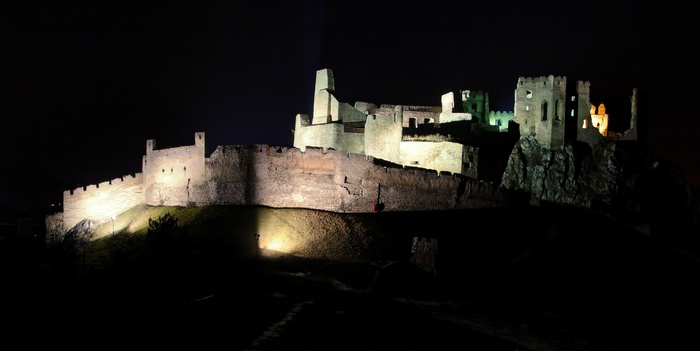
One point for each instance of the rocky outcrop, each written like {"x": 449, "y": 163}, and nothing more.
{"x": 570, "y": 174}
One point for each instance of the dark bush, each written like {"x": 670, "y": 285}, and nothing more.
{"x": 163, "y": 234}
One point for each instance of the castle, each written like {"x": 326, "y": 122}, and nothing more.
{"x": 357, "y": 158}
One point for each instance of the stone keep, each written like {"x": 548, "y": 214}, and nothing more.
{"x": 539, "y": 109}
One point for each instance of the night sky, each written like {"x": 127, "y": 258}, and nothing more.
{"x": 83, "y": 85}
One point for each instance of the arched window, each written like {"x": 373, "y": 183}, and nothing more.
{"x": 544, "y": 110}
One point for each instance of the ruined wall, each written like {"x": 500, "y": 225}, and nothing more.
{"x": 442, "y": 156}
{"x": 383, "y": 135}
{"x": 447, "y": 117}
{"x": 584, "y": 131}
{"x": 412, "y": 115}
{"x": 334, "y": 181}
{"x": 102, "y": 201}
{"x": 500, "y": 119}
{"x": 328, "y": 135}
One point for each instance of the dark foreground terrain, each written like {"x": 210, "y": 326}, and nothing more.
{"x": 576, "y": 281}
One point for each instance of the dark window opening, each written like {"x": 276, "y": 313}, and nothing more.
{"x": 411, "y": 122}
{"x": 544, "y": 111}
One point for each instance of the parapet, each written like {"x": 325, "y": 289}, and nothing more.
{"x": 583, "y": 87}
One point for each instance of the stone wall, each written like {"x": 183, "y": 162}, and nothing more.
{"x": 102, "y": 201}
{"x": 500, "y": 119}
{"x": 443, "y": 157}
{"x": 332, "y": 180}
{"x": 171, "y": 174}
{"x": 284, "y": 177}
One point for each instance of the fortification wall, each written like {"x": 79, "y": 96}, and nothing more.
{"x": 287, "y": 177}
{"x": 102, "y": 201}
{"x": 335, "y": 181}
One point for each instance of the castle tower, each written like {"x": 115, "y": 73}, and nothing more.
{"x": 323, "y": 97}
{"x": 585, "y": 130}
{"x": 540, "y": 109}
{"x": 476, "y": 103}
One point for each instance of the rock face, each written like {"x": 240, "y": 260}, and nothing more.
{"x": 572, "y": 175}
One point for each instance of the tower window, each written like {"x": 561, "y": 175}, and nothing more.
{"x": 544, "y": 111}
{"x": 528, "y": 94}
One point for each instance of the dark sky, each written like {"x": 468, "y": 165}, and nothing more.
{"x": 84, "y": 84}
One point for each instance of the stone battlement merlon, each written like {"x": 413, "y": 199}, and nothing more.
{"x": 199, "y": 141}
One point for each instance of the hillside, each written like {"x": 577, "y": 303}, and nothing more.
{"x": 532, "y": 278}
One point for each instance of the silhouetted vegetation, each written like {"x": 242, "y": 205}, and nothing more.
{"x": 164, "y": 235}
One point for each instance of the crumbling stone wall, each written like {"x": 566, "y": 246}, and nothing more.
{"x": 330, "y": 180}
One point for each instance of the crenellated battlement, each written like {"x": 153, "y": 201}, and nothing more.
{"x": 543, "y": 81}
{"x": 126, "y": 179}
{"x": 583, "y": 87}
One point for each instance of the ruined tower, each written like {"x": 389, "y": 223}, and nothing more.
{"x": 585, "y": 129}
{"x": 476, "y": 103}
{"x": 539, "y": 109}
{"x": 323, "y": 98}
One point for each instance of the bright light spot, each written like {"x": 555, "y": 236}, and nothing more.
{"x": 600, "y": 122}
{"x": 276, "y": 244}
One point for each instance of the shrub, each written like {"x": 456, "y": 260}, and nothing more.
{"x": 163, "y": 233}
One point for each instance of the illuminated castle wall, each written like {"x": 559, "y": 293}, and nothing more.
{"x": 102, "y": 201}
{"x": 277, "y": 177}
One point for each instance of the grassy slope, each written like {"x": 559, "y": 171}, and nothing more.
{"x": 570, "y": 275}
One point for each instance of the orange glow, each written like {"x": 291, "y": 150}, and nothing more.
{"x": 601, "y": 109}
{"x": 600, "y": 122}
